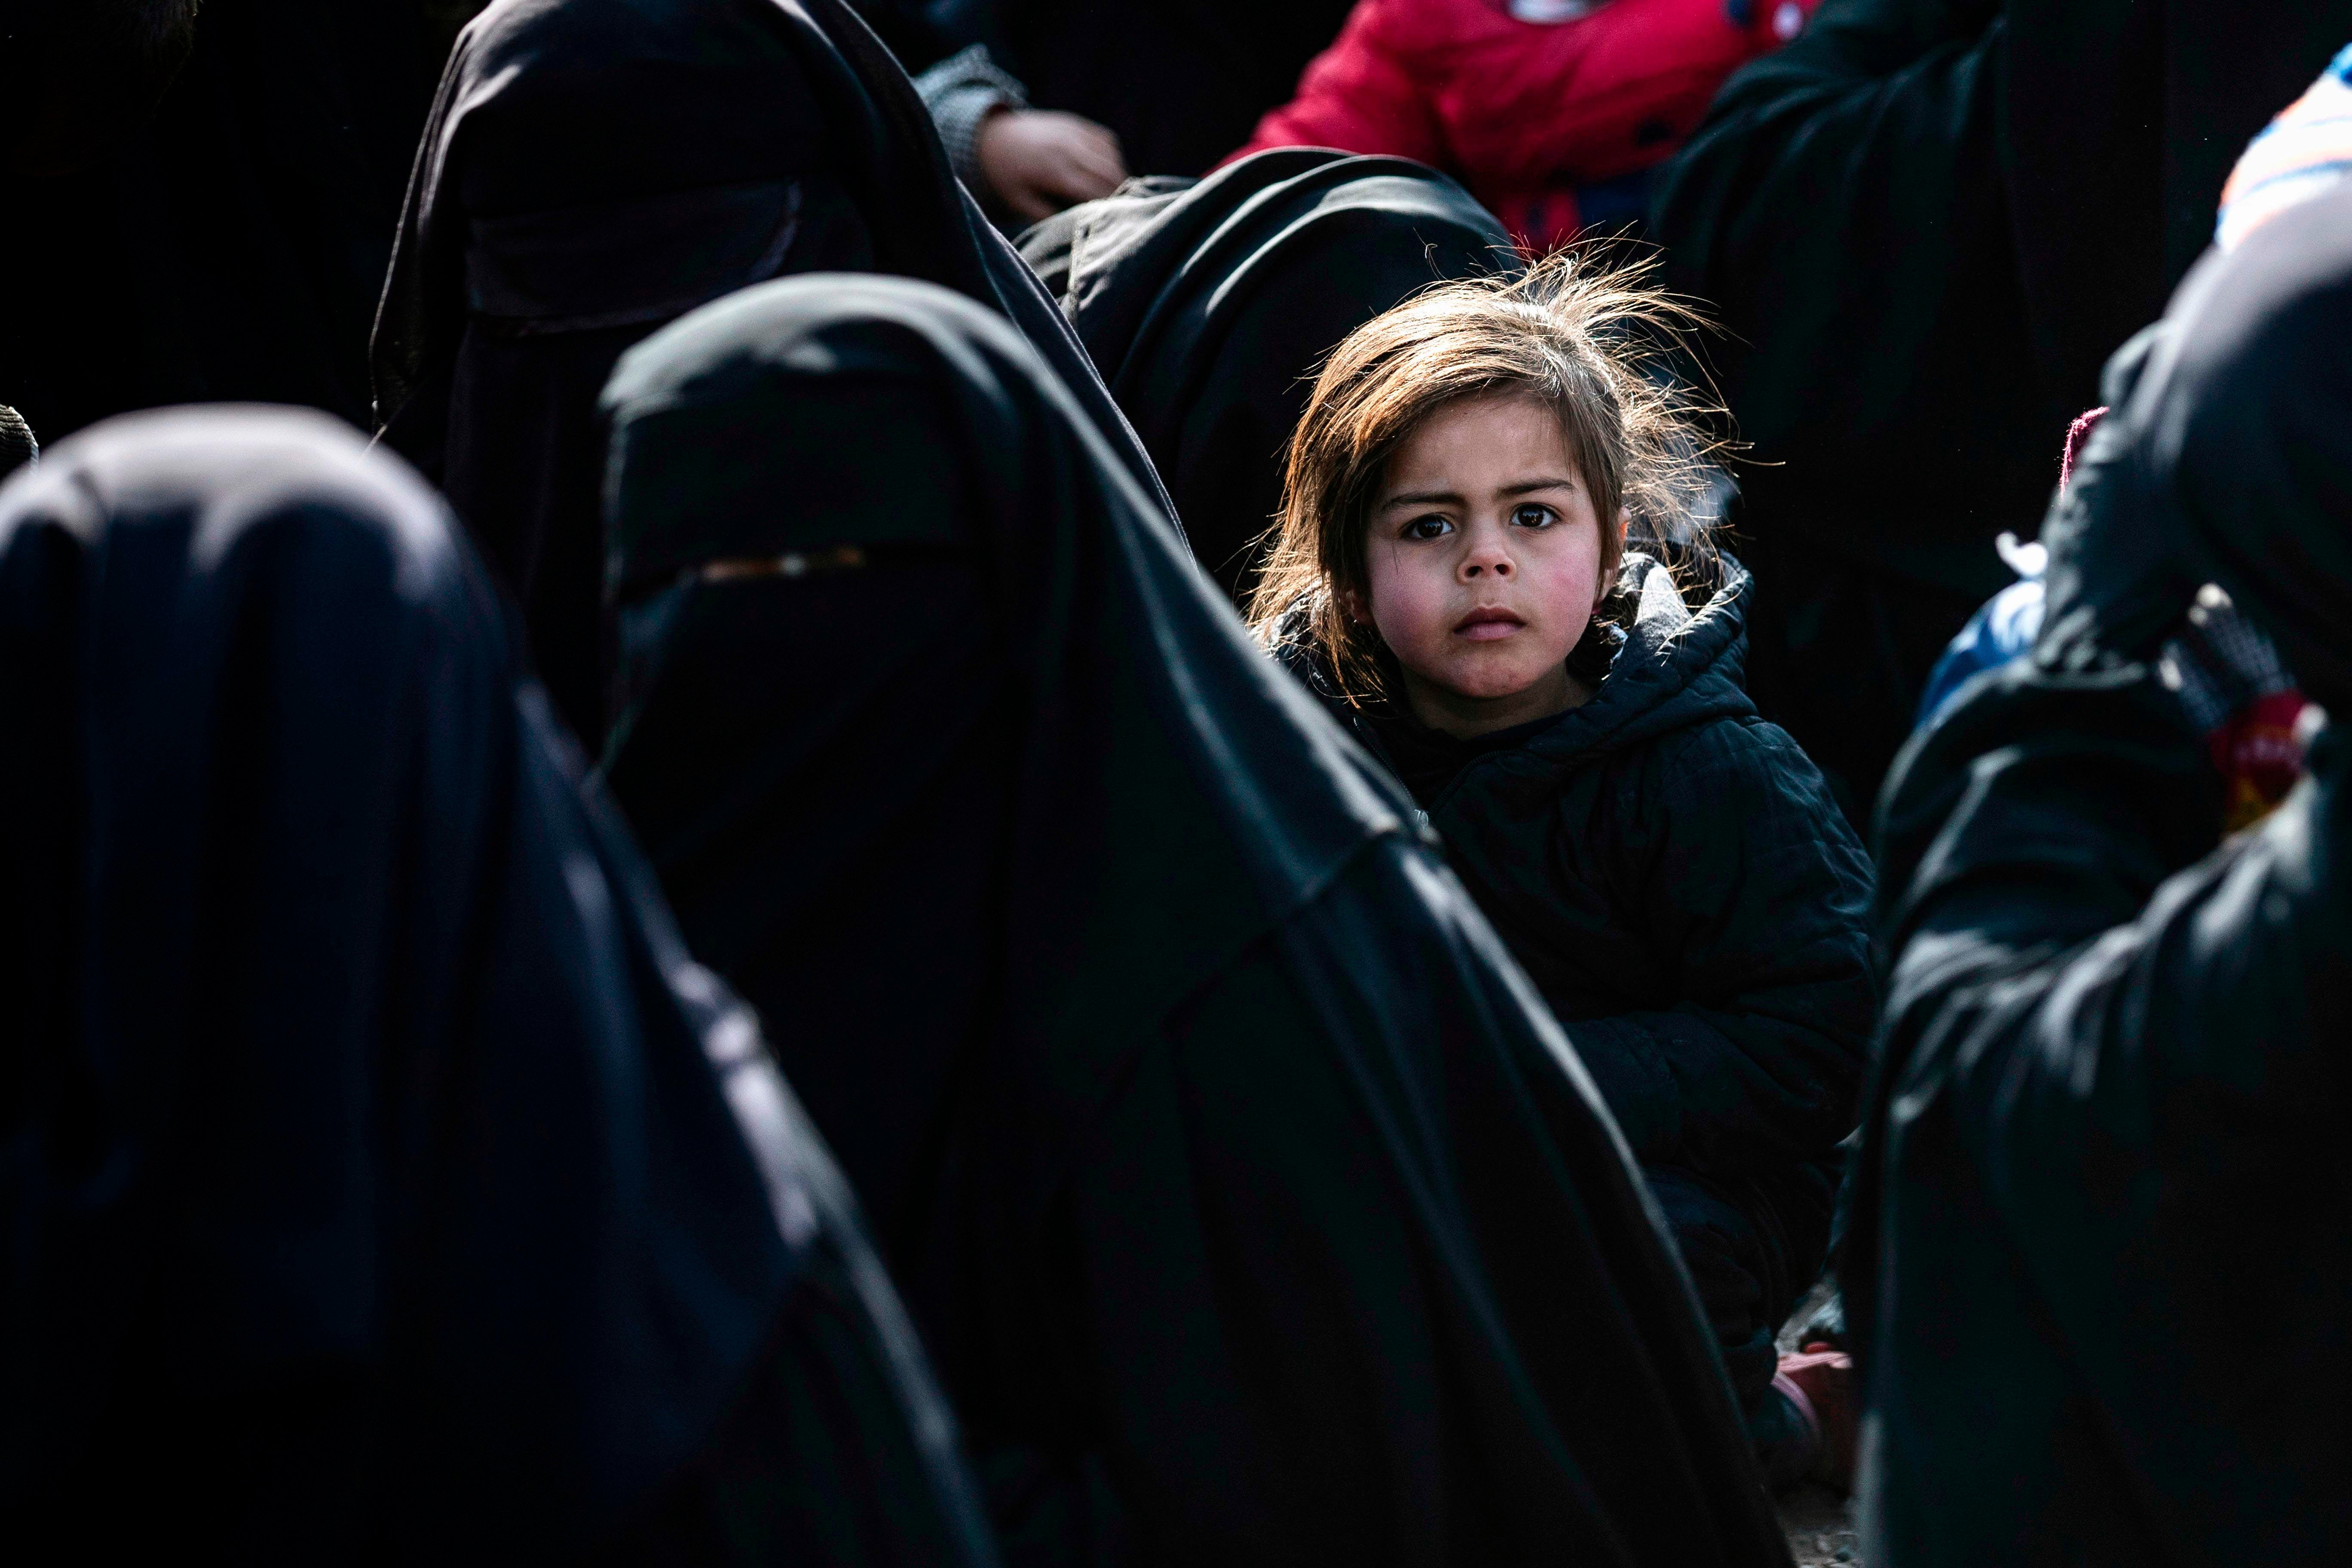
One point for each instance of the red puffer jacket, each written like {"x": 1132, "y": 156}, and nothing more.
{"x": 1551, "y": 111}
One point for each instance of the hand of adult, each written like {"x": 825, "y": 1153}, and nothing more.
{"x": 1037, "y": 162}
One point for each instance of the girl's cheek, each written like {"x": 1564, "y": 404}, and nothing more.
{"x": 1409, "y": 606}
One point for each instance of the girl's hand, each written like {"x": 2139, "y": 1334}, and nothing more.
{"x": 1037, "y": 162}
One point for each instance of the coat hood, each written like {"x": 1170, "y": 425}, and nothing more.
{"x": 1674, "y": 667}
{"x": 1677, "y": 667}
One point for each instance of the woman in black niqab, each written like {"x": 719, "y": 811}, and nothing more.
{"x": 2102, "y": 1172}
{"x": 1253, "y": 1207}
{"x": 594, "y": 168}
{"x": 1210, "y": 307}
{"x": 383, "y": 1180}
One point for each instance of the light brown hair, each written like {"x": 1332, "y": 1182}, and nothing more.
{"x": 1596, "y": 342}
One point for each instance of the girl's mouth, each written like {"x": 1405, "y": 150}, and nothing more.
{"x": 1487, "y": 623}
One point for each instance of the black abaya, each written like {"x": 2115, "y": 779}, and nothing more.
{"x": 2097, "y": 1262}
{"x": 593, "y": 168}
{"x": 1925, "y": 225}
{"x": 385, "y": 1183}
{"x": 1210, "y": 309}
{"x": 1254, "y": 1207}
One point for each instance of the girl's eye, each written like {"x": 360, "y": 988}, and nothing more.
{"x": 1429, "y": 527}
{"x": 1534, "y": 516}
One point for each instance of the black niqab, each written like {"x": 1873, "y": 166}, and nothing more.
{"x": 593, "y": 168}
{"x": 383, "y": 1182}
{"x": 1210, "y": 308}
{"x": 2101, "y": 1176}
{"x": 1239, "y": 1183}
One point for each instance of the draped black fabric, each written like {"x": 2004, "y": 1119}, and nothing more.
{"x": 2097, "y": 1265}
{"x": 1253, "y": 1206}
{"x": 1210, "y": 309}
{"x": 1925, "y": 223}
{"x": 593, "y": 168}
{"x": 383, "y": 1183}
{"x": 231, "y": 245}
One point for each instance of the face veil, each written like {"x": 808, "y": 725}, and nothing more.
{"x": 1236, "y": 1176}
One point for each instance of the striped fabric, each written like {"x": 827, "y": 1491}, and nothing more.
{"x": 2297, "y": 155}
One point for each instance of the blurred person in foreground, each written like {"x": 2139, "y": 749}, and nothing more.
{"x": 386, "y": 1184}
{"x": 2095, "y": 1266}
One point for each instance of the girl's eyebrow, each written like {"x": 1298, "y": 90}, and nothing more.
{"x": 1448, "y": 497}
{"x": 1423, "y": 497}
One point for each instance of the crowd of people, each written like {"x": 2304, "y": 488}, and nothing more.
{"x": 972, "y": 782}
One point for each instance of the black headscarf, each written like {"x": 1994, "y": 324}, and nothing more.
{"x": 1209, "y": 309}
{"x": 1925, "y": 224}
{"x": 1223, "y": 1153}
{"x": 593, "y": 168}
{"x": 2096, "y": 1261}
{"x": 383, "y": 1180}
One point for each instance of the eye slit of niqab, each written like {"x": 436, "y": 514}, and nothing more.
{"x": 791, "y": 563}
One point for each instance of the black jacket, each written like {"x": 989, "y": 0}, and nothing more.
{"x": 1671, "y": 871}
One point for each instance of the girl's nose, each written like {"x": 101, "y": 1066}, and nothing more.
{"x": 1486, "y": 557}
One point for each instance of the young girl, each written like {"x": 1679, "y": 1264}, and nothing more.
{"x": 1450, "y": 574}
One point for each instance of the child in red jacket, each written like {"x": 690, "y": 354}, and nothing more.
{"x": 1551, "y": 111}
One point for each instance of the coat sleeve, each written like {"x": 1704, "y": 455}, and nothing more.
{"x": 2112, "y": 1090}
{"x": 1359, "y": 96}
{"x": 1737, "y": 863}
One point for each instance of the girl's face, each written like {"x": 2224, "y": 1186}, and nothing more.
{"x": 1484, "y": 560}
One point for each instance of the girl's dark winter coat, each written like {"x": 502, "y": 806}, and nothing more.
{"x": 1671, "y": 871}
